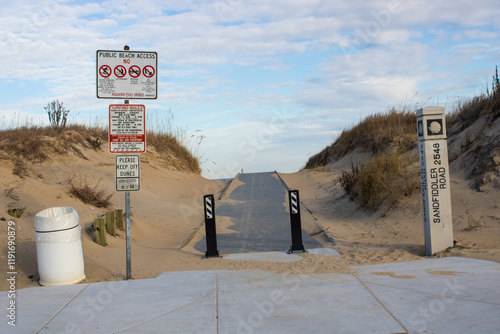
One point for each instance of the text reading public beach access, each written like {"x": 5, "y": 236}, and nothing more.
{"x": 127, "y": 55}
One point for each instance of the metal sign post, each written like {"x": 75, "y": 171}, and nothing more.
{"x": 131, "y": 75}
{"x": 127, "y": 179}
{"x": 127, "y": 235}
{"x": 435, "y": 179}
{"x": 295, "y": 223}
{"x": 128, "y": 246}
{"x": 210, "y": 232}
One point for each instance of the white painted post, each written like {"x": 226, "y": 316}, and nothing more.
{"x": 435, "y": 179}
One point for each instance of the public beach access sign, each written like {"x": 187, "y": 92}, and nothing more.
{"x": 127, "y": 128}
{"x": 127, "y": 74}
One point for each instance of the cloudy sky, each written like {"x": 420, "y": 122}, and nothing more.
{"x": 264, "y": 84}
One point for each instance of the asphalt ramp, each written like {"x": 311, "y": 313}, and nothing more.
{"x": 256, "y": 216}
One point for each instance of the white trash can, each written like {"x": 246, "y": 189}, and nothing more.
{"x": 59, "y": 246}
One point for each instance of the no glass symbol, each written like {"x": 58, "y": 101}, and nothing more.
{"x": 148, "y": 71}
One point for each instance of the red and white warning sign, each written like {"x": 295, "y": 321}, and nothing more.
{"x": 127, "y": 74}
{"x": 127, "y": 128}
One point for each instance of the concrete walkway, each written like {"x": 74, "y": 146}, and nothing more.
{"x": 447, "y": 295}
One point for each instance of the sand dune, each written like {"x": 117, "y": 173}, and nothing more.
{"x": 167, "y": 211}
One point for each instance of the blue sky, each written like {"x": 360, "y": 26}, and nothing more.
{"x": 266, "y": 83}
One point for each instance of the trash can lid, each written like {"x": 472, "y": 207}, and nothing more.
{"x": 55, "y": 219}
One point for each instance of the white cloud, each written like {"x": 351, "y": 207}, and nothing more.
{"x": 374, "y": 77}
{"x": 229, "y": 62}
{"x": 481, "y": 34}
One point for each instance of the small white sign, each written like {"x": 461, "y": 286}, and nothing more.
{"x": 128, "y": 170}
{"x": 127, "y": 74}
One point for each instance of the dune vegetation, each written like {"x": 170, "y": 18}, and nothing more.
{"x": 32, "y": 144}
{"x": 391, "y": 173}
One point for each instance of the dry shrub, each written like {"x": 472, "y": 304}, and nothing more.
{"x": 389, "y": 176}
{"x": 385, "y": 179}
{"x": 20, "y": 169}
{"x": 474, "y": 224}
{"x": 375, "y": 134}
{"x": 174, "y": 143}
{"x": 486, "y": 105}
{"x": 89, "y": 195}
{"x": 34, "y": 144}
{"x": 37, "y": 144}
{"x": 24, "y": 143}
{"x": 168, "y": 145}
{"x": 87, "y": 136}
{"x": 479, "y": 152}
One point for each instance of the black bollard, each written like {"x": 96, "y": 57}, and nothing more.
{"x": 211, "y": 234}
{"x": 296, "y": 226}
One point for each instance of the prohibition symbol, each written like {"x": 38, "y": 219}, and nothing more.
{"x": 134, "y": 71}
{"x": 120, "y": 71}
{"x": 105, "y": 71}
{"x": 148, "y": 71}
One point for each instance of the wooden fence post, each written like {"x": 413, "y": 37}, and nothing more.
{"x": 111, "y": 223}
{"x": 100, "y": 231}
{"x": 119, "y": 219}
